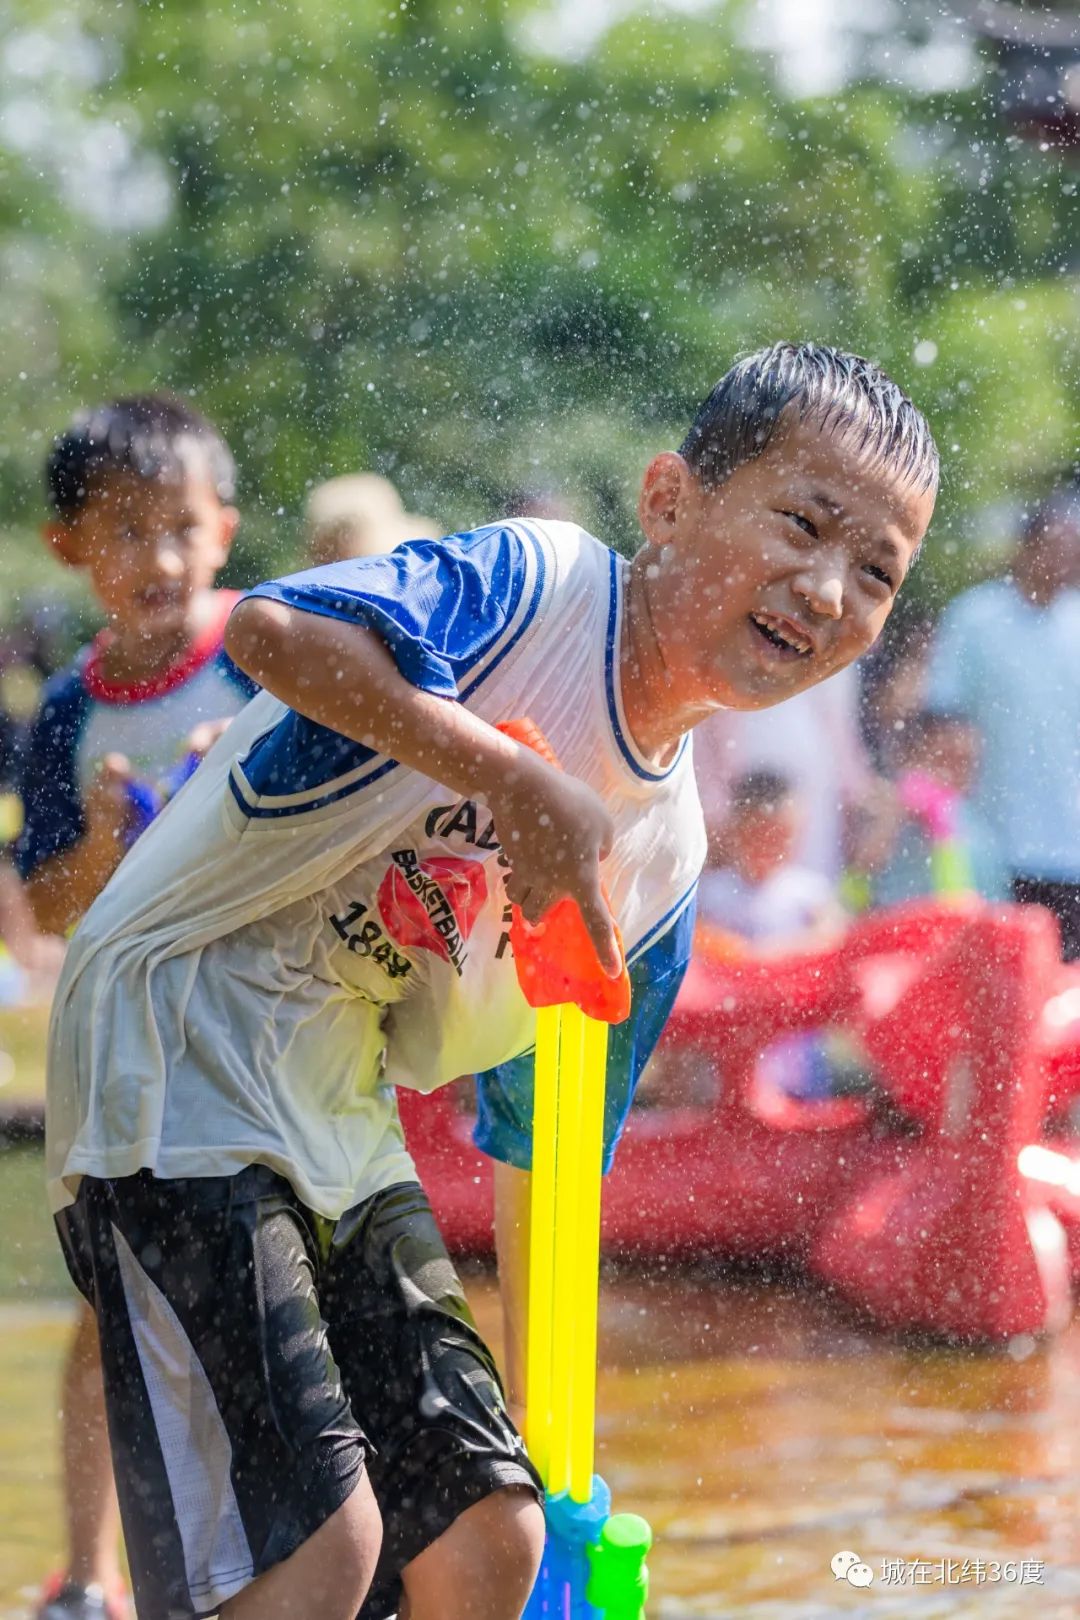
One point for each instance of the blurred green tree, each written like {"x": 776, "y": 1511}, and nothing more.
{"x": 423, "y": 237}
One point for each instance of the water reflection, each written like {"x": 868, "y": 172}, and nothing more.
{"x": 759, "y": 1430}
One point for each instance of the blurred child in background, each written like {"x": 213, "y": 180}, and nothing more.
{"x": 760, "y": 893}
{"x": 35, "y": 957}
{"x": 893, "y": 682}
{"x": 771, "y": 903}
{"x": 140, "y": 492}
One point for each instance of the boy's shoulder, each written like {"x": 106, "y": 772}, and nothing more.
{"x": 453, "y": 610}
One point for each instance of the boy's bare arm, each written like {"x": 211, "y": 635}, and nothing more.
{"x": 63, "y": 887}
{"x": 553, "y": 829}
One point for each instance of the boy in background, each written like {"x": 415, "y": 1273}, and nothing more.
{"x": 766, "y": 898}
{"x": 761, "y": 893}
{"x": 140, "y": 492}
{"x": 300, "y": 1407}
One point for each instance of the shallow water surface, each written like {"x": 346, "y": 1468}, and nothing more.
{"x": 754, "y": 1426}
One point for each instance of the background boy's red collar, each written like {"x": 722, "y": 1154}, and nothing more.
{"x": 198, "y": 653}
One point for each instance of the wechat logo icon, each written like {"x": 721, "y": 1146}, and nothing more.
{"x": 848, "y": 1566}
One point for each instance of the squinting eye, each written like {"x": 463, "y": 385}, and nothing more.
{"x": 804, "y": 523}
{"x": 880, "y": 573}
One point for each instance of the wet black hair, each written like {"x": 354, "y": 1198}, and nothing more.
{"x": 842, "y": 393}
{"x": 761, "y": 790}
{"x": 143, "y": 434}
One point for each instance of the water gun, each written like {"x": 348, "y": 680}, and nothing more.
{"x": 555, "y": 958}
{"x": 594, "y": 1562}
{"x": 148, "y": 799}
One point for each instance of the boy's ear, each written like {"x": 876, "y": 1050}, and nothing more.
{"x": 664, "y": 488}
{"x": 62, "y": 540}
{"x": 226, "y": 523}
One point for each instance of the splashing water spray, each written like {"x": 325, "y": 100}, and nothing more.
{"x": 594, "y": 1561}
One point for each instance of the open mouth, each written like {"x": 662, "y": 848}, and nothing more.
{"x": 782, "y": 634}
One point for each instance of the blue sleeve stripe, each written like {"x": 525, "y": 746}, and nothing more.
{"x": 490, "y": 661}
{"x": 259, "y": 810}
{"x": 266, "y": 807}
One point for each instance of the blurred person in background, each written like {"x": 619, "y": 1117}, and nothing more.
{"x": 936, "y": 840}
{"x": 359, "y": 515}
{"x": 771, "y": 904}
{"x": 1006, "y": 656}
{"x": 761, "y": 892}
{"x": 814, "y": 741}
{"x": 34, "y": 958}
{"x": 140, "y": 497}
{"x": 538, "y": 501}
{"x": 892, "y": 681}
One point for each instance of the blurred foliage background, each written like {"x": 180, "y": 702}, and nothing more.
{"x": 485, "y": 247}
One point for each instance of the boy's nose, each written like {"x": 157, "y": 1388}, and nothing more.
{"x": 823, "y": 595}
{"x": 167, "y": 559}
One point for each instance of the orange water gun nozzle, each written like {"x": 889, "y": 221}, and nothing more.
{"x": 555, "y": 958}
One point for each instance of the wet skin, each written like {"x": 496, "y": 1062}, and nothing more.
{"x": 748, "y": 593}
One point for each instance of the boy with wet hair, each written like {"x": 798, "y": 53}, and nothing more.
{"x": 140, "y": 494}
{"x": 301, "y": 1410}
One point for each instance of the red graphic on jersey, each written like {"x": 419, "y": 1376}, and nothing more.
{"x": 432, "y": 904}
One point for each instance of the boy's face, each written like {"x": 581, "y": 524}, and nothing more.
{"x": 781, "y": 575}
{"x": 149, "y": 545}
{"x": 763, "y": 838}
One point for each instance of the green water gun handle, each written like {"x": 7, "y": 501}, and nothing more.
{"x": 619, "y": 1579}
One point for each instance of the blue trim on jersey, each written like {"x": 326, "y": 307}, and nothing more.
{"x": 639, "y": 768}
{"x": 259, "y": 812}
{"x": 530, "y": 614}
{"x": 438, "y": 604}
{"x": 666, "y": 921}
{"x": 49, "y": 779}
{"x": 504, "y": 1095}
{"x": 285, "y": 756}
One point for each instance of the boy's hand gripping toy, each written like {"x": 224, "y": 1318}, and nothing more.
{"x": 594, "y": 1564}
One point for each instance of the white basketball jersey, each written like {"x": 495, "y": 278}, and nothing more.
{"x": 309, "y": 924}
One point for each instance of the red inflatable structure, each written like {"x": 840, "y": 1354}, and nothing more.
{"x": 945, "y": 1198}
